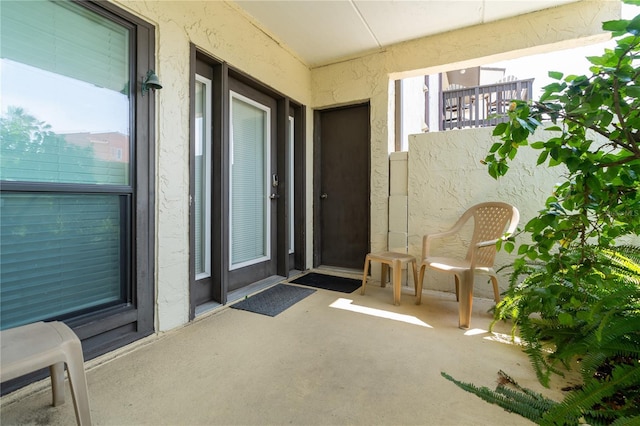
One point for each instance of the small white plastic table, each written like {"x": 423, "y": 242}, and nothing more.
{"x": 396, "y": 261}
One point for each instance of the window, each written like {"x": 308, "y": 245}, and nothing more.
{"x": 202, "y": 198}
{"x": 250, "y": 215}
{"x": 75, "y": 141}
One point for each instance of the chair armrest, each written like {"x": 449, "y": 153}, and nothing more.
{"x": 482, "y": 244}
{"x": 426, "y": 240}
{"x": 488, "y": 243}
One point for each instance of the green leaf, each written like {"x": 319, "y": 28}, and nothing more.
{"x": 509, "y": 246}
{"x": 542, "y": 157}
{"x": 634, "y": 26}
{"x": 495, "y": 147}
{"x": 537, "y": 145}
{"x": 565, "y": 319}
{"x": 633, "y": 91}
{"x": 500, "y": 129}
{"x": 519, "y": 134}
{"x": 618, "y": 25}
{"x": 553, "y": 162}
{"x": 556, "y": 75}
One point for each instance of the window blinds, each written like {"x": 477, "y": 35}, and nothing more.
{"x": 67, "y": 39}
{"x": 248, "y": 183}
{"x": 59, "y": 254}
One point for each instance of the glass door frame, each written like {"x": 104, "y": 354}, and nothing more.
{"x": 289, "y": 210}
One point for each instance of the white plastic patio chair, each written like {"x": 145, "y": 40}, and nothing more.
{"x": 492, "y": 221}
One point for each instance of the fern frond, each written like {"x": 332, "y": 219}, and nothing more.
{"x": 524, "y": 405}
{"x": 542, "y": 405}
{"x": 627, "y": 421}
{"x": 592, "y": 393}
{"x": 505, "y": 378}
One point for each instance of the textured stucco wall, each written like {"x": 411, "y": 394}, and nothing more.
{"x": 218, "y": 29}
{"x": 368, "y": 78}
{"x": 446, "y": 178}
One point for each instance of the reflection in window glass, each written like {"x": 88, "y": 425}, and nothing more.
{"x": 64, "y": 74}
{"x": 65, "y": 118}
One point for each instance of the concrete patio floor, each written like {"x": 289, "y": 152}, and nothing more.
{"x": 331, "y": 359}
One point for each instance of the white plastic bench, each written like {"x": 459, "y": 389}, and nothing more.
{"x": 35, "y": 346}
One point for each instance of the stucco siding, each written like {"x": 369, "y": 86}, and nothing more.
{"x": 220, "y": 30}
{"x": 446, "y": 177}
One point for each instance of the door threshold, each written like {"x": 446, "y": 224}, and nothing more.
{"x": 336, "y": 270}
{"x": 253, "y": 288}
{"x": 240, "y": 294}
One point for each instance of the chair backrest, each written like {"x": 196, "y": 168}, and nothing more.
{"x": 511, "y": 93}
{"x": 452, "y": 102}
{"x": 454, "y": 86}
{"x": 491, "y": 221}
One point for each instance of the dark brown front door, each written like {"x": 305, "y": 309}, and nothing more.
{"x": 342, "y": 187}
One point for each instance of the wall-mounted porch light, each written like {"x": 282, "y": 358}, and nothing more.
{"x": 151, "y": 81}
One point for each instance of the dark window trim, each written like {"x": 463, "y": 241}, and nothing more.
{"x": 143, "y": 212}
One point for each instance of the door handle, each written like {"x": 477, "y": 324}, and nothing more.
{"x": 274, "y": 196}
{"x": 323, "y": 196}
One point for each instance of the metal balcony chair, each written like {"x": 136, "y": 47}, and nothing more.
{"x": 498, "y": 102}
{"x": 491, "y": 221}
{"x": 455, "y": 108}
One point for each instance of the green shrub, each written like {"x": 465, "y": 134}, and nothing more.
{"x": 574, "y": 293}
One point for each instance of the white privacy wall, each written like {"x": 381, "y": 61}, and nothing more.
{"x": 445, "y": 177}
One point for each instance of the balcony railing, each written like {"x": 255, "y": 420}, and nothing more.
{"x": 481, "y": 106}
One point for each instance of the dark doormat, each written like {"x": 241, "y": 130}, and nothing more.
{"x": 328, "y": 282}
{"x": 273, "y": 300}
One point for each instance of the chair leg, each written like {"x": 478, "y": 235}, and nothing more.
{"x": 384, "y": 269}
{"x": 419, "y": 284}
{"x": 415, "y": 277}
{"x": 366, "y": 272}
{"x": 56, "y": 371}
{"x": 397, "y": 281}
{"x": 455, "y": 276}
{"x": 466, "y": 299}
{"x": 78, "y": 384}
{"x": 496, "y": 290}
